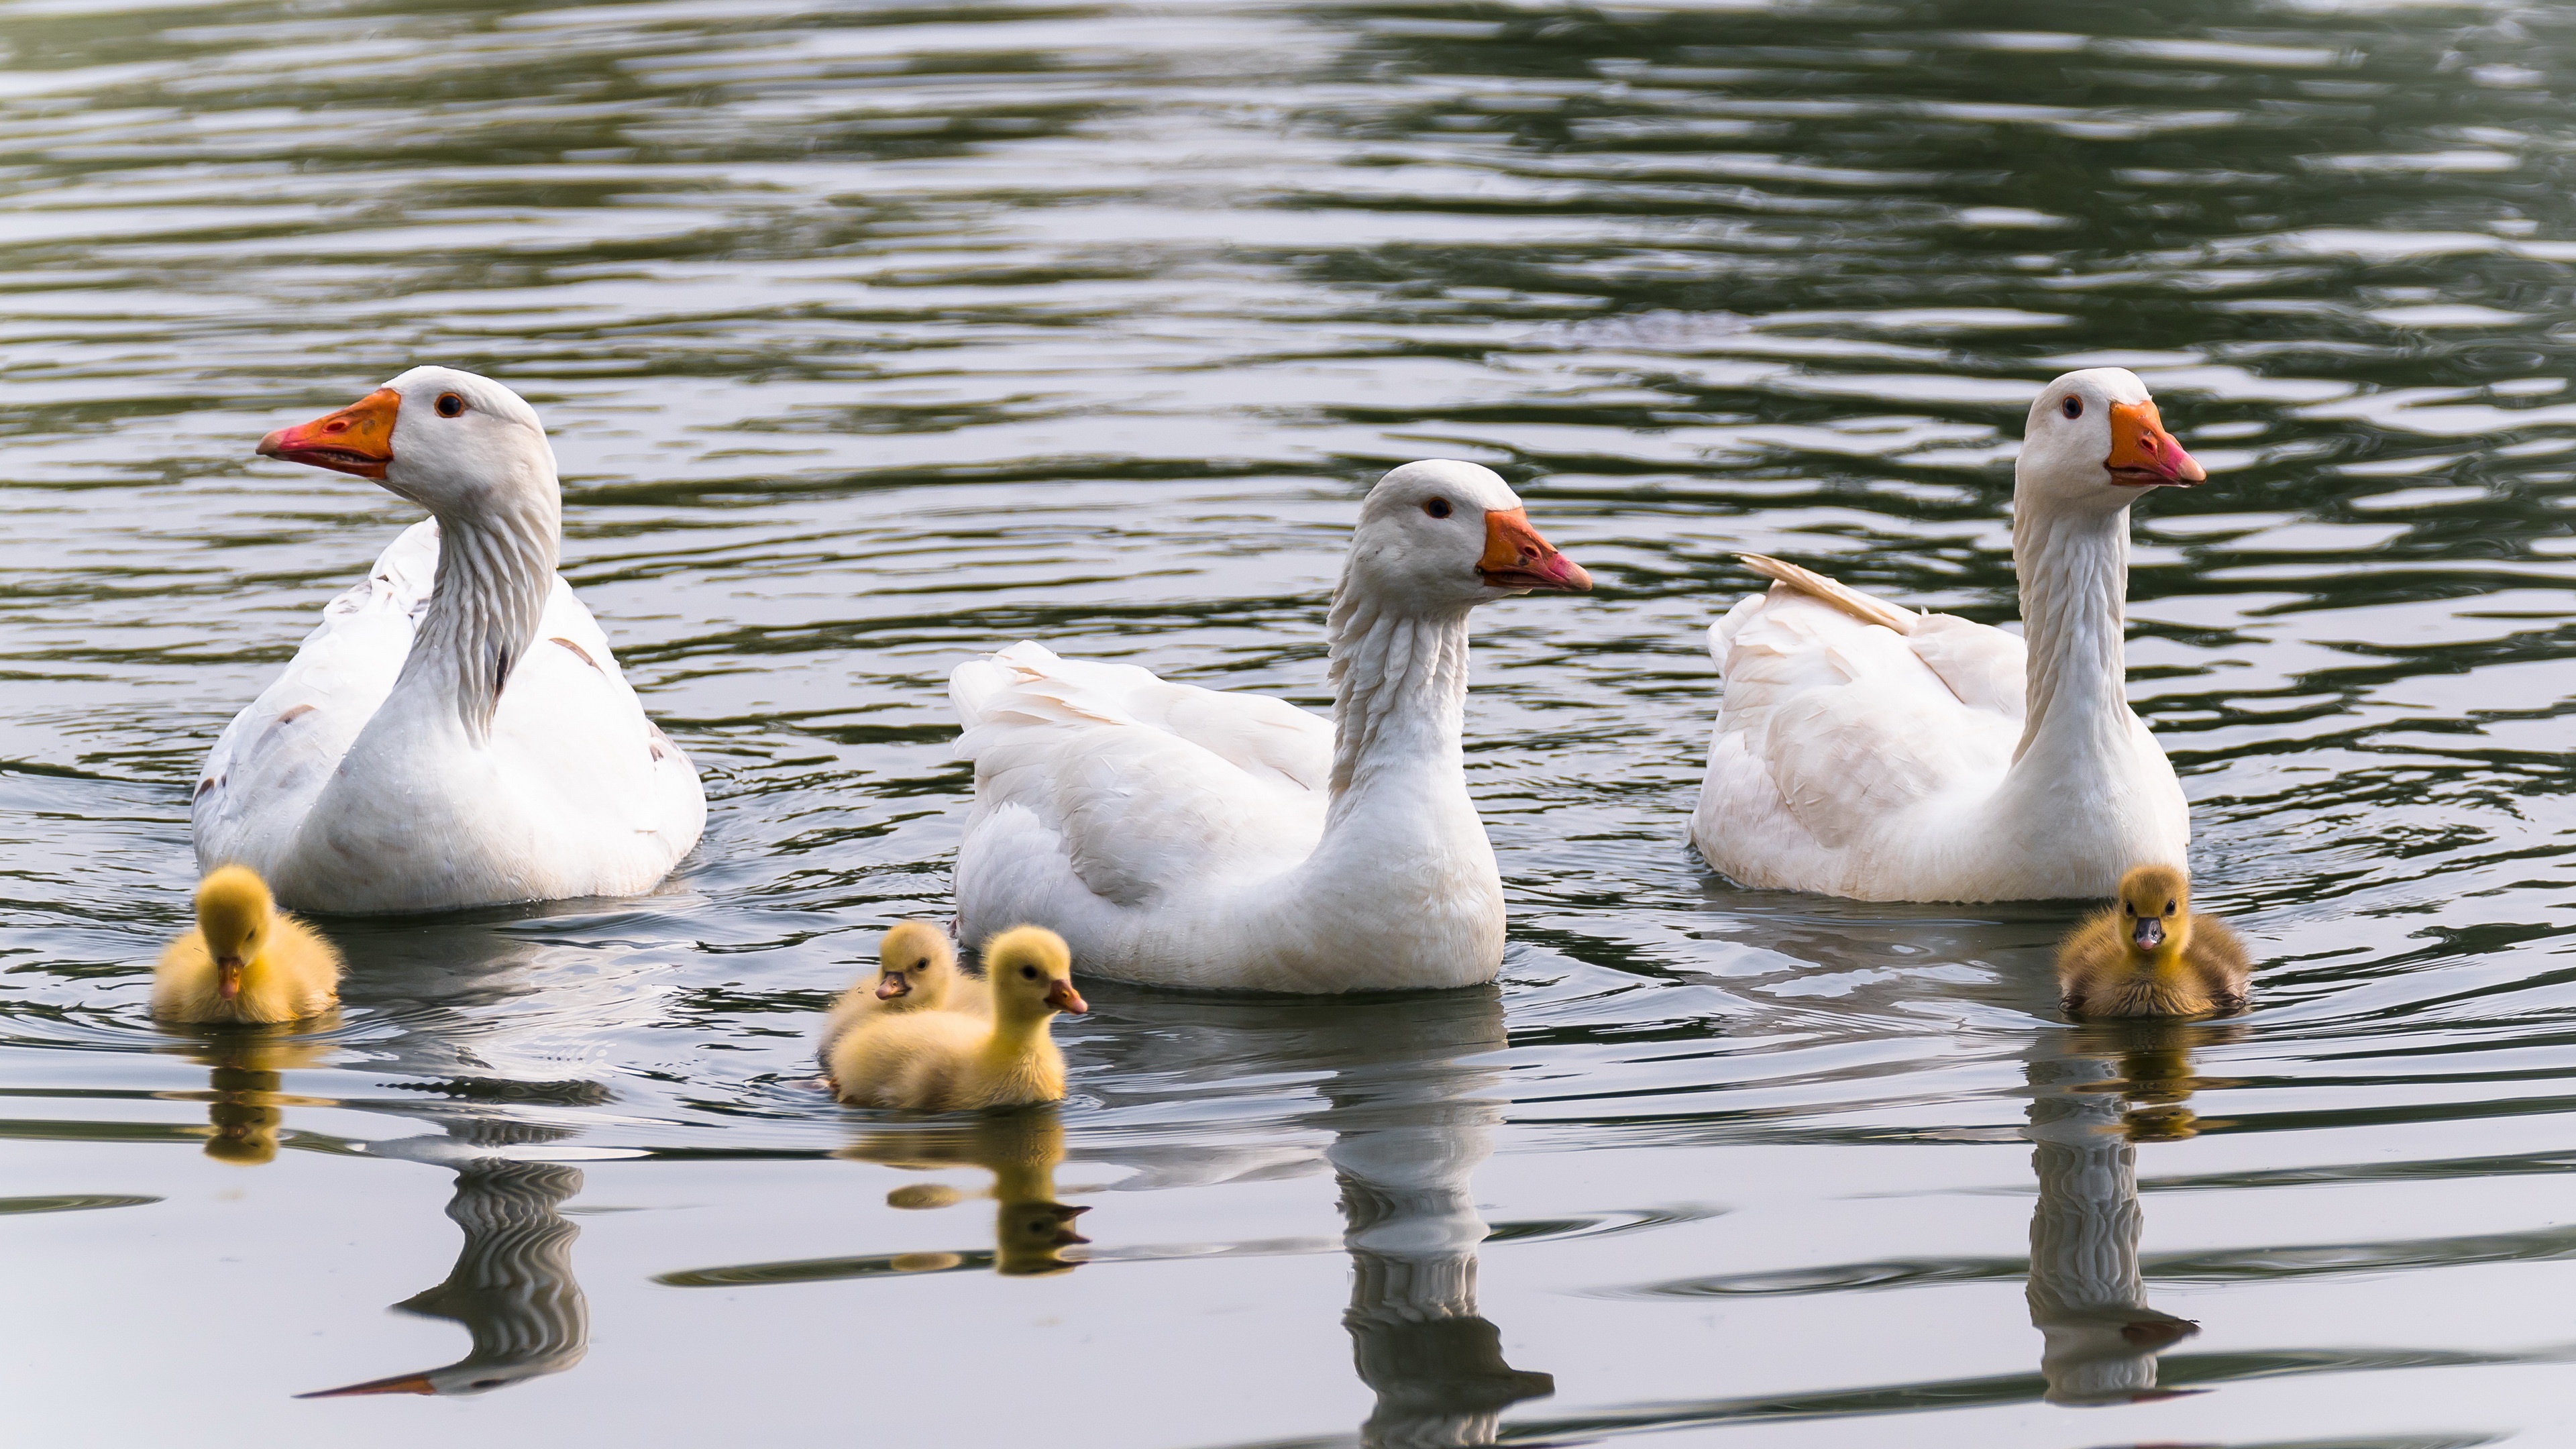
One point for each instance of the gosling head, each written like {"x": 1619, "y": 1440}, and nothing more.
{"x": 915, "y": 965}
{"x": 1031, "y": 971}
{"x": 1453, "y": 535}
{"x": 2096, "y": 441}
{"x": 447, "y": 440}
{"x": 2155, "y": 910}
{"x": 235, "y": 914}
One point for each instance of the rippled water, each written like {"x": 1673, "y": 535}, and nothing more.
{"x": 872, "y": 336}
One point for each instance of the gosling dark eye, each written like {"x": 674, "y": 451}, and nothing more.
{"x": 1028, "y": 973}
{"x": 1437, "y": 508}
{"x": 2073, "y": 407}
{"x": 921, "y": 965}
{"x": 2169, "y": 908}
{"x": 450, "y": 405}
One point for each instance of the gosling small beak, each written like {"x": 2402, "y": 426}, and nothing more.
{"x": 2143, "y": 454}
{"x": 357, "y": 439}
{"x": 1065, "y": 1236}
{"x": 2149, "y": 933}
{"x": 398, "y": 1384}
{"x": 893, "y": 985}
{"x": 1063, "y": 997}
{"x": 1517, "y": 558}
{"x": 228, "y": 973}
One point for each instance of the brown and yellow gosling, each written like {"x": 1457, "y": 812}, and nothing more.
{"x": 948, "y": 1061}
{"x": 916, "y": 971}
{"x": 2148, "y": 955}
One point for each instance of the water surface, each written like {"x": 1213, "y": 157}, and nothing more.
{"x": 874, "y": 336}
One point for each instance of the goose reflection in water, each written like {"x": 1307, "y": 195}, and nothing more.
{"x": 1410, "y": 1119}
{"x": 2099, "y": 1336}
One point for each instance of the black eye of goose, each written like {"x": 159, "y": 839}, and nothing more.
{"x": 450, "y": 405}
{"x": 1437, "y": 508}
{"x": 1028, "y": 973}
{"x": 2169, "y": 908}
{"x": 2073, "y": 407}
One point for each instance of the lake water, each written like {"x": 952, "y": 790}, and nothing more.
{"x": 874, "y": 336}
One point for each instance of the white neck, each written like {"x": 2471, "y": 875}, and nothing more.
{"x": 1399, "y": 698}
{"x": 2074, "y": 573}
{"x": 495, "y": 568}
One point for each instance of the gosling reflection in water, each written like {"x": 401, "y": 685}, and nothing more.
{"x": 2087, "y": 1297}
{"x": 1021, "y": 1149}
{"x": 245, "y": 1083}
{"x": 512, "y": 1288}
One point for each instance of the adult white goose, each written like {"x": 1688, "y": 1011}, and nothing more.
{"x": 1187, "y": 837}
{"x": 1864, "y": 750}
{"x": 456, "y": 732}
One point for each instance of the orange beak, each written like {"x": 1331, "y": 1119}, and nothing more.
{"x": 398, "y": 1384}
{"x": 357, "y": 439}
{"x": 2143, "y": 454}
{"x": 228, "y": 970}
{"x": 1517, "y": 558}
{"x": 892, "y": 985}
{"x": 1063, "y": 997}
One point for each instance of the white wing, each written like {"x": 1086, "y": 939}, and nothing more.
{"x": 1101, "y": 785}
{"x": 1832, "y": 726}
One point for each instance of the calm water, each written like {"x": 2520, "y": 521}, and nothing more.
{"x": 872, "y": 336}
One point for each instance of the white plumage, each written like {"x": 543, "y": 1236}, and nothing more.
{"x": 1863, "y": 750}
{"x": 456, "y": 731}
{"x": 1191, "y": 837}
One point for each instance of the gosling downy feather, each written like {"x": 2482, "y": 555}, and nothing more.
{"x": 2150, "y": 955}
{"x": 947, "y": 1061}
{"x": 456, "y": 731}
{"x": 916, "y": 971}
{"x": 247, "y": 961}
{"x": 1865, "y": 750}
{"x": 1189, "y": 837}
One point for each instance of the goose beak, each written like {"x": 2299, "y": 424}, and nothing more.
{"x": 2143, "y": 454}
{"x": 357, "y": 439}
{"x": 1517, "y": 558}
{"x": 1063, "y": 997}
{"x": 2149, "y": 933}
{"x": 228, "y": 972}
{"x": 892, "y": 986}
{"x": 399, "y": 1384}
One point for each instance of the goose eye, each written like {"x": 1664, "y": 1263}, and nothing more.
{"x": 921, "y": 965}
{"x": 2169, "y": 908}
{"x": 1028, "y": 973}
{"x": 1437, "y": 508}
{"x": 450, "y": 405}
{"x": 2073, "y": 407}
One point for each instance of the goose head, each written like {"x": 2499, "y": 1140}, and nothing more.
{"x": 450, "y": 441}
{"x": 234, "y": 915}
{"x": 915, "y": 966}
{"x": 2095, "y": 441}
{"x": 1447, "y": 534}
{"x": 2155, "y": 913}
{"x": 1031, "y": 971}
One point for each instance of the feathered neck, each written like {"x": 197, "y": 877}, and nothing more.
{"x": 495, "y": 568}
{"x": 2074, "y": 573}
{"x": 1399, "y": 689}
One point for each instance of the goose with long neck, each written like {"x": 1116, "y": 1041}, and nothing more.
{"x": 1866, "y": 750}
{"x": 456, "y": 732}
{"x": 1191, "y": 837}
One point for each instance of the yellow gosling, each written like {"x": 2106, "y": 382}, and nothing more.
{"x": 2149, "y": 955}
{"x": 948, "y": 1061}
{"x": 916, "y": 971}
{"x": 246, "y": 962}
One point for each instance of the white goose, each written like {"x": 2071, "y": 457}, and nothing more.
{"x": 456, "y": 732}
{"x": 1186, "y": 837}
{"x": 1864, "y": 750}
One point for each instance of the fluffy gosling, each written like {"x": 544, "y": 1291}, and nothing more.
{"x": 916, "y": 971}
{"x": 948, "y": 1061}
{"x": 2149, "y": 955}
{"x": 246, "y": 962}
